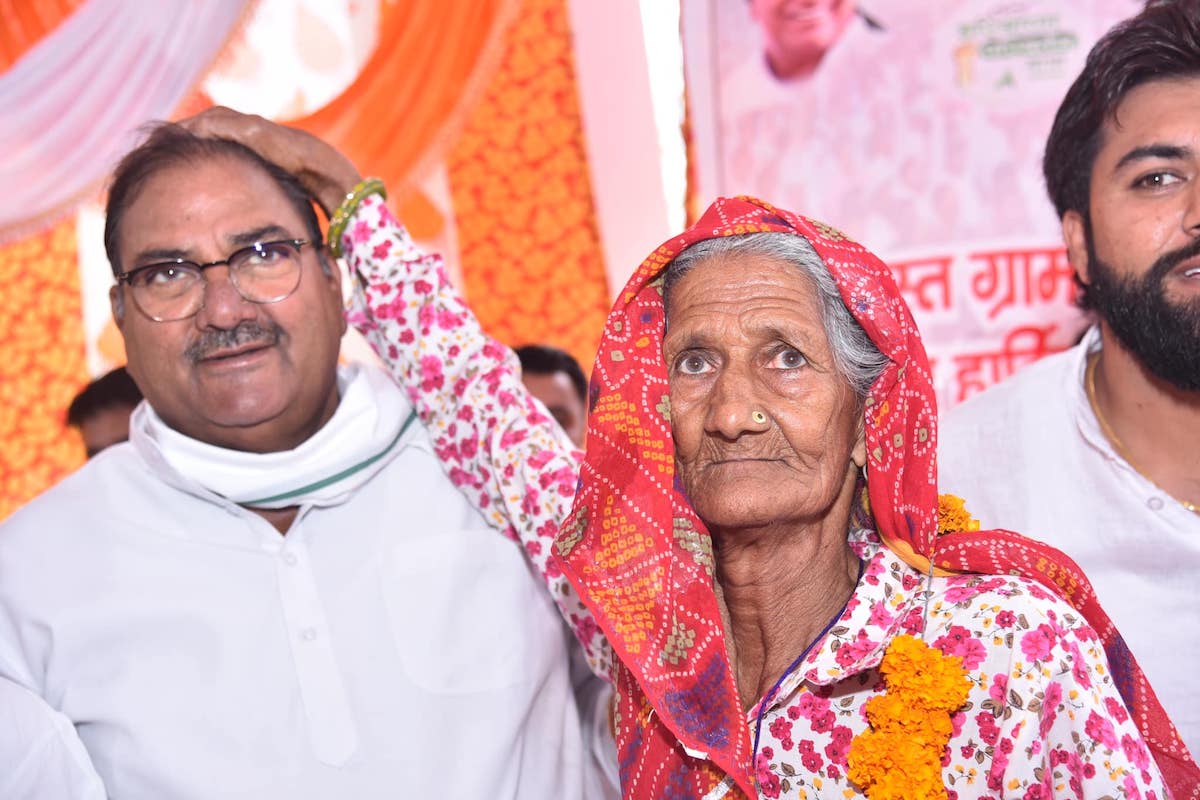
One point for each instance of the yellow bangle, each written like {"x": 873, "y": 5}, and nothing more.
{"x": 341, "y": 217}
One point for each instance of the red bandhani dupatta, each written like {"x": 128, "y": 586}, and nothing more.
{"x": 642, "y": 560}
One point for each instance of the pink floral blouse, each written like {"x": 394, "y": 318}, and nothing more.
{"x": 1043, "y": 719}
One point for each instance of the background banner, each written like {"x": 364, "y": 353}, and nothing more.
{"x": 916, "y": 126}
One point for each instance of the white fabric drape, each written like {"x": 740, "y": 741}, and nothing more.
{"x": 72, "y": 105}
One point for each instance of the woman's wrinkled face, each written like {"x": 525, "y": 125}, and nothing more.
{"x": 744, "y": 334}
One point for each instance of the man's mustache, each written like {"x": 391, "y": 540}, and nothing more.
{"x": 1169, "y": 261}
{"x": 216, "y": 340}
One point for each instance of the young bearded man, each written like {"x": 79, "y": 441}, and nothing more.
{"x": 1097, "y": 450}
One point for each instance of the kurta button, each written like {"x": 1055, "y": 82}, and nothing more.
{"x": 290, "y": 559}
{"x": 308, "y": 634}
{"x": 1155, "y": 503}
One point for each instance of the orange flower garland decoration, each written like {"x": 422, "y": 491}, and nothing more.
{"x": 953, "y": 516}
{"x": 900, "y": 757}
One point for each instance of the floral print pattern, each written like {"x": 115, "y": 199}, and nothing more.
{"x": 1043, "y": 718}
{"x": 497, "y": 444}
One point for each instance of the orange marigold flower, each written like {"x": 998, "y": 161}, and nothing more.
{"x": 923, "y": 676}
{"x": 901, "y": 755}
{"x": 953, "y": 516}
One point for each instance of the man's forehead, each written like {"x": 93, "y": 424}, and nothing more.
{"x": 220, "y": 198}
{"x": 1146, "y": 103}
{"x": 551, "y": 383}
{"x": 227, "y": 177}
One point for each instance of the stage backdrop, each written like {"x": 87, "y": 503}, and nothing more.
{"x": 919, "y": 133}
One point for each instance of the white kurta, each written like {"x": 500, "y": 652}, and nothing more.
{"x": 1029, "y": 455}
{"x": 391, "y": 646}
{"x": 42, "y": 756}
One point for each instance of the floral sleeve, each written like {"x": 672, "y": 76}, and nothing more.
{"x": 495, "y": 442}
{"x": 1055, "y": 724}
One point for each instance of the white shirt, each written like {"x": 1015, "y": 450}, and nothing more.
{"x": 394, "y": 645}
{"x": 1029, "y": 455}
{"x": 43, "y": 757}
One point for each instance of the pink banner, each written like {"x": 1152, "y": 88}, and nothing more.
{"x": 917, "y": 126}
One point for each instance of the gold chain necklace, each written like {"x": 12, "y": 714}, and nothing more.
{"x": 1090, "y": 385}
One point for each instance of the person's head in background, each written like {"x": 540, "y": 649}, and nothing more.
{"x": 798, "y": 33}
{"x": 555, "y": 377}
{"x": 101, "y": 410}
{"x": 1122, "y": 167}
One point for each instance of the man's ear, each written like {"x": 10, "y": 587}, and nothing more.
{"x": 116, "y": 299}
{"x": 1074, "y": 232}
{"x": 333, "y": 275}
{"x": 330, "y": 268}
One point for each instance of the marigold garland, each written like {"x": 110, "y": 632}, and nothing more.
{"x": 900, "y": 757}
{"x": 953, "y": 516}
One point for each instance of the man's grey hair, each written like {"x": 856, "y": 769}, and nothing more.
{"x": 855, "y": 356}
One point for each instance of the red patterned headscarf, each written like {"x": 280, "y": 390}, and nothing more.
{"x": 643, "y": 561}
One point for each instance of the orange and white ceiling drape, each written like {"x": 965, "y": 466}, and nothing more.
{"x": 23, "y": 23}
{"x": 73, "y": 102}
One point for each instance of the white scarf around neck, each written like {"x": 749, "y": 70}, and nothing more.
{"x": 361, "y": 438}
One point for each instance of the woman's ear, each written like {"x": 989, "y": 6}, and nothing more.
{"x": 859, "y": 454}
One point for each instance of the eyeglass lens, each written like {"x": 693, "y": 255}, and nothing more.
{"x": 266, "y": 272}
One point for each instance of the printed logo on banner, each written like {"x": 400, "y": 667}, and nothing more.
{"x": 1019, "y": 53}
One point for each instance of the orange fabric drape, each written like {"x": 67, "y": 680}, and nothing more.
{"x": 23, "y": 23}
{"x": 401, "y": 114}
{"x": 529, "y": 247}
{"x": 41, "y": 331}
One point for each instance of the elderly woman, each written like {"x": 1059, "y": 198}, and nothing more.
{"x": 757, "y": 373}
{"x": 755, "y": 532}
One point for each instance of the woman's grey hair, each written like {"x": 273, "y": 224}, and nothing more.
{"x": 855, "y": 356}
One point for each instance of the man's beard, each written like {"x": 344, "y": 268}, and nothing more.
{"x": 1161, "y": 334}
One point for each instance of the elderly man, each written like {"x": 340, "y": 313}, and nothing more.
{"x": 1097, "y": 450}
{"x": 273, "y": 590}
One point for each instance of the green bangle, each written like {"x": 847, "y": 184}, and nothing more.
{"x": 341, "y": 217}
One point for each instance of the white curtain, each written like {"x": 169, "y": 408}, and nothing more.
{"x": 73, "y": 104}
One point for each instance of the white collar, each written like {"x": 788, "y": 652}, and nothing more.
{"x": 360, "y": 439}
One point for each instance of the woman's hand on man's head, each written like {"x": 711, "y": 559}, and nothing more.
{"x": 324, "y": 172}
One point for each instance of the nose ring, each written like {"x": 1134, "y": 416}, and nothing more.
{"x": 759, "y": 417}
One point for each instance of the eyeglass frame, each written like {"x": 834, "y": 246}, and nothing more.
{"x": 127, "y": 277}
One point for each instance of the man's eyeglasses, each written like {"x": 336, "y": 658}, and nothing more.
{"x": 265, "y": 272}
